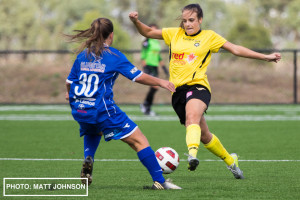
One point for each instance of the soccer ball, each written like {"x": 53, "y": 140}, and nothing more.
{"x": 168, "y": 159}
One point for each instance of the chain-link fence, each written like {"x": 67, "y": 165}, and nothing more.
{"x": 39, "y": 77}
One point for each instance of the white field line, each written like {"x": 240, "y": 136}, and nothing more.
{"x": 235, "y": 108}
{"x": 212, "y": 108}
{"x": 45, "y": 117}
{"x": 129, "y": 160}
{"x": 35, "y": 108}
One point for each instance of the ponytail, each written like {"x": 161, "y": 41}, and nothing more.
{"x": 94, "y": 37}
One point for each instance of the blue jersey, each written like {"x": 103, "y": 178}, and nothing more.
{"x": 92, "y": 79}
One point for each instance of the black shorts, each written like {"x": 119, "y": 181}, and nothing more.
{"x": 185, "y": 93}
{"x": 151, "y": 70}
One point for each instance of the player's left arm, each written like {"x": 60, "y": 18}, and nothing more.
{"x": 248, "y": 53}
{"x": 153, "y": 81}
{"x": 68, "y": 86}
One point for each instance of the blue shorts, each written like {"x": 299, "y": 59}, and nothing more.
{"x": 116, "y": 127}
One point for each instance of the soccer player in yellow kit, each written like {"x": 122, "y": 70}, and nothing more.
{"x": 190, "y": 50}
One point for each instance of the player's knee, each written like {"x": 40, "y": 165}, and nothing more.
{"x": 137, "y": 140}
{"x": 192, "y": 118}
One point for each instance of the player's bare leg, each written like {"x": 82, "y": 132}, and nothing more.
{"x": 213, "y": 144}
{"x": 194, "y": 112}
{"x": 138, "y": 142}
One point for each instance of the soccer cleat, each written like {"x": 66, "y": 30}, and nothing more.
{"x": 234, "y": 168}
{"x": 152, "y": 113}
{"x": 167, "y": 185}
{"x": 143, "y": 108}
{"x": 193, "y": 162}
{"x": 87, "y": 170}
{"x": 146, "y": 110}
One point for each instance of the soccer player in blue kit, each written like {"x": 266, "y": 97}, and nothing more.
{"x": 90, "y": 94}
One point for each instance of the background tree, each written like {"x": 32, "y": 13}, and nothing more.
{"x": 39, "y": 24}
{"x": 254, "y": 37}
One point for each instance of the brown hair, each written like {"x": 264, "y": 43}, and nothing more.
{"x": 93, "y": 38}
{"x": 193, "y": 8}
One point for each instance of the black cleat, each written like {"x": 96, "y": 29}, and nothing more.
{"x": 193, "y": 162}
{"x": 87, "y": 170}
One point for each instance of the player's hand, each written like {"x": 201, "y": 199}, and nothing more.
{"x": 274, "y": 57}
{"x": 167, "y": 85}
{"x": 134, "y": 16}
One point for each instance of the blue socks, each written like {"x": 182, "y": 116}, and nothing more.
{"x": 147, "y": 157}
{"x": 91, "y": 143}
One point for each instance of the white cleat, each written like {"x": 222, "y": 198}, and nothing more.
{"x": 167, "y": 185}
{"x": 234, "y": 168}
{"x": 143, "y": 108}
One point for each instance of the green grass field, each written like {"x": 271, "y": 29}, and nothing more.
{"x": 43, "y": 141}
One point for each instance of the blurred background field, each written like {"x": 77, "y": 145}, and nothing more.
{"x": 41, "y": 79}
{"x": 35, "y": 58}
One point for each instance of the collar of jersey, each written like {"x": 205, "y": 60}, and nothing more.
{"x": 193, "y": 34}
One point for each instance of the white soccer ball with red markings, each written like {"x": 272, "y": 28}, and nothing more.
{"x": 168, "y": 159}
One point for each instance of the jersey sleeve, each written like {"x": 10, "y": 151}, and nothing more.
{"x": 217, "y": 42}
{"x": 168, "y": 34}
{"x": 73, "y": 74}
{"x": 127, "y": 69}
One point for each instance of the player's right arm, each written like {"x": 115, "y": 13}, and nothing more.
{"x": 153, "y": 81}
{"x": 143, "y": 29}
{"x": 72, "y": 76}
{"x": 128, "y": 70}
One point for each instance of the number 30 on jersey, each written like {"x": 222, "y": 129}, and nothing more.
{"x": 87, "y": 81}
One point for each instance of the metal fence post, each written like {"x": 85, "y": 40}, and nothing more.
{"x": 295, "y": 77}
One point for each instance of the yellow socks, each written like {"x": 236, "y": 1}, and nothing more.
{"x": 216, "y": 147}
{"x": 193, "y": 135}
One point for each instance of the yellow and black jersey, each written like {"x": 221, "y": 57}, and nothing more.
{"x": 190, "y": 55}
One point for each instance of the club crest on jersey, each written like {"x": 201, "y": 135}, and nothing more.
{"x": 197, "y": 43}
